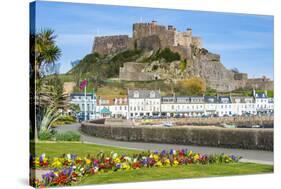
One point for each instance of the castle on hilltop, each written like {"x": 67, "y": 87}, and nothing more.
{"x": 149, "y": 36}
{"x": 152, "y": 36}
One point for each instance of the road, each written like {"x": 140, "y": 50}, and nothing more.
{"x": 255, "y": 156}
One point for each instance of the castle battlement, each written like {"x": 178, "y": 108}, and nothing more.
{"x": 150, "y": 36}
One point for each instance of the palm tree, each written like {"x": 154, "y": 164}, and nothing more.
{"x": 46, "y": 53}
{"x": 46, "y": 50}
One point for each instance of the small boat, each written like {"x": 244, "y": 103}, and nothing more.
{"x": 256, "y": 126}
{"x": 168, "y": 124}
{"x": 228, "y": 126}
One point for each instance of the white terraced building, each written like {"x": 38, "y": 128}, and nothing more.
{"x": 140, "y": 103}
{"x": 143, "y": 103}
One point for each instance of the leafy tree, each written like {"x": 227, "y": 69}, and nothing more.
{"x": 194, "y": 86}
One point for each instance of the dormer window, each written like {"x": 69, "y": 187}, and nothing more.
{"x": 152, "y": 94}
{"x": 136, "y": 94}
{"x": 211, "y": 100}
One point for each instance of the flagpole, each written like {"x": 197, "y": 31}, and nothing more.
{"x": 85, "y": 102}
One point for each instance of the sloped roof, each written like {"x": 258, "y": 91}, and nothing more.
{"x": 143, "y": 93}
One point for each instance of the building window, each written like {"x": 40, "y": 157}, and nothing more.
{"x": 136, "y": 94}
{"x": 152, "y": 94}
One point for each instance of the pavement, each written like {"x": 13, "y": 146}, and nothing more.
{"x": 254, "y": 156}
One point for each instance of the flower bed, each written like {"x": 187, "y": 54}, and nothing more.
{"x": 69, "y": 168}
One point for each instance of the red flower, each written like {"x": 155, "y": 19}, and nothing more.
{"x": 61, "y": 180}
{"x": 136, "y": 165}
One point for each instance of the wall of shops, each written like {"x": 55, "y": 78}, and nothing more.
{"x": 261, "y": 139}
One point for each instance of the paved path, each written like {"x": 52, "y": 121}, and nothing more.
{"x": 255, "y": 156}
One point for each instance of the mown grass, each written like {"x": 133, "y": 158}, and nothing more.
{"x": 53, "y": 149}
{"x": 179, "y": 172}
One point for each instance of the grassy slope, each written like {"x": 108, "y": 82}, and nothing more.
{"x": 146, "y": 174}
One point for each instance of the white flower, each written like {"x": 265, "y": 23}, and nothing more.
{"x": 96, "y": 169}
{"x": 68, "y": 156}
{"x": 114, "y": 155}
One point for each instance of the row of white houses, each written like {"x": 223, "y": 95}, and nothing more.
{"x": 140, "y": 103}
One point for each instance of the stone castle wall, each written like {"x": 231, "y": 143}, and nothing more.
{"x": 132, "y": 71}
{"x": 197, "y": 41}
{"x": 151, "y": 36}
{"x": 111, "y": 44}
{"x": 259, "y": 84}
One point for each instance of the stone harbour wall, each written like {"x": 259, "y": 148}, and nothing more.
{"x": 258, "y": 139}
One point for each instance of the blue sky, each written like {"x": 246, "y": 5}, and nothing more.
{"x": 244, "y": 41}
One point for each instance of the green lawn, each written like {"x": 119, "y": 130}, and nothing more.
{"x": 146, "y": 174}
{"x": 80, "y": 149}
{"x": 179, "y": 172}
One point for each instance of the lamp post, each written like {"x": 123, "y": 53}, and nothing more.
{"x": 85, "y": 102}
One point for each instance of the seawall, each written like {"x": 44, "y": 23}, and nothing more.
{"x": 258, "y": 139}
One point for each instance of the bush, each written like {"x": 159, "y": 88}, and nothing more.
{"x": 194, "y": 86}
{"x": 67, "y": 136}
{"x": 183, "y": 65}
{"x": 46, "y": 135}
{"x": 64, "y": 120}
{"x": 167, "y": 54}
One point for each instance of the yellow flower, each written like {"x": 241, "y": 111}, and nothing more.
{"x": 125, "y": 166}
{"x": 88, "y": 161}
{"x": 196, "y": 157}
{"x": 155, "y": 157}
{"x": 175, "y": 163}
{"x": 158, "y": 164}
{"x": 190, "y": 153}
{"x": 117, "y": 160}
{"x": 36, "y": 161}
{"x": 167, "y": 162}
{"x": 56, "y": 163}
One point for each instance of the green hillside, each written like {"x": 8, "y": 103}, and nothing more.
{"x": 102, "y": 73}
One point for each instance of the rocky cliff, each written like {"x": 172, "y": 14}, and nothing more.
{"x": 151, "y": 37}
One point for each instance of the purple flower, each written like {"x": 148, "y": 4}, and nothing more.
{"x": 118, "y": 165}
{"x": 171, "y": 152}
{"x": 73, "y": 156}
